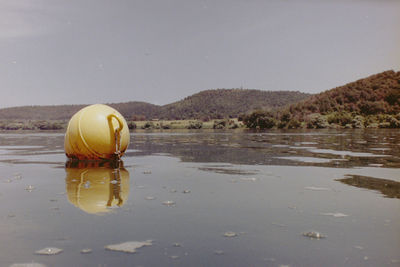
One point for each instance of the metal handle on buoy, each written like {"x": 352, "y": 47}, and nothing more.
{"x": 121, "y": 125}
{"x": 117, "y": 135}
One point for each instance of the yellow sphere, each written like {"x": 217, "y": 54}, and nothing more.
{"x": 97, "y": 189}
{"x": 96, "y": 132}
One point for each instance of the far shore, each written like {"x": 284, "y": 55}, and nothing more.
{"x": 146, "y": 125}
{"x": 47, "y": 125}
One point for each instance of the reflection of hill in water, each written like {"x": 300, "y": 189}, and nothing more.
{"x": 96, "y": 188}
{"x": 354, "y": 148}
{"x": 388, "y": 188}
{"x": 274, "y": 147}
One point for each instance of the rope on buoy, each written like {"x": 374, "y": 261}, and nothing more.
{"x": 117, "y": 137}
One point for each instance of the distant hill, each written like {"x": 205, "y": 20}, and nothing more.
{"x": 60, "y": 112}
{"x": 370, "y": 102}
{"x": 220, "y": 103}
{"x": 223, "y": 103}
{"x": 64, "y": 112}
{"x": 376, "y": 94}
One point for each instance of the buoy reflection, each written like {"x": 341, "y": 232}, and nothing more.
{"x": 96, "y": 187}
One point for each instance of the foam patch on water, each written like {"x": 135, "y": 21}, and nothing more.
{"x": 130, "y": 246}
{"x": 313, "y": 235}
{"x": 307, "y": 159}
{"x": 280, "y": 145}
{"x": 345, "y": 153}
{"x": 49, "y": 251}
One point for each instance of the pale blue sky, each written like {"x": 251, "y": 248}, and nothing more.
{"x": 101, "y": 51}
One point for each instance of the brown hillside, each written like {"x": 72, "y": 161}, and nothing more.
{"x": 206, "y": 104}
{"x": 222, "y": 103}
{"x": 376, "y": 94}
{"x": 65, "y": 112}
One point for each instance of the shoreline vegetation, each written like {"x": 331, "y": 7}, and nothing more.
{"x": 257, "y": 120}
{"x": 32, "y": 125}
{"x": 372, "y": 102}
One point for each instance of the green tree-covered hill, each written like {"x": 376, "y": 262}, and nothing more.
{"x": 220, "y": 103}
{"x": 376, "y": 94}
{"x": 370, "y": 102}
{"x": 223, "y": 103}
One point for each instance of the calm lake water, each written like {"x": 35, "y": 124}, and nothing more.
{"x": 206, "y": 199}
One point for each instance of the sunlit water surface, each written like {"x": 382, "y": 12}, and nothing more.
{"x": 206, "y": 199}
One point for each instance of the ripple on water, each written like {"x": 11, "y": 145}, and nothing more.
{"x": 345, "y": 153}
{"x": 307, "y": 159}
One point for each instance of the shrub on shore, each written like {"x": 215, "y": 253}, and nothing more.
{"x": 260, "y": 119}
{"x": 195, "y": 125}
{"x": 32, "y": 125}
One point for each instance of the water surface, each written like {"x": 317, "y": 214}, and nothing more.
{"x": 234, "y": 198}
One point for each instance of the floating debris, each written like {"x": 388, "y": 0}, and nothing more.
{"x": 130, "y": 246}
{"x": 230, "y": 234}
{"x": 313, "y": 235}
{"x": 375, "y": 165}
{"x": 86, "y": 251}
{"x": 186, "y": 191}
{"x": 336, "y": 215}
{"x": 87, "y": 185}
{"x": 114, "y": 182}
{"x": 150, "y": 198}
{"x": 49, "y": 251}
{"x": 219, "y": 252}
{"x": 169, "y": 203}
{"x": 317, "y": 188}
{"x": 177, "y": 245}
{"x": 30, "y": 188}
{"x": 30, "y": 264}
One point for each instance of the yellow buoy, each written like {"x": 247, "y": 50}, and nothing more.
{"x": 96, "y": 132}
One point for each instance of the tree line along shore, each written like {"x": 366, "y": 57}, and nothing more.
{"x": 256, "y": 120}
{"x": 41, "y": 125}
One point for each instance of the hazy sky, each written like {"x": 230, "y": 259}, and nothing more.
{"x": 101, "y": 51}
